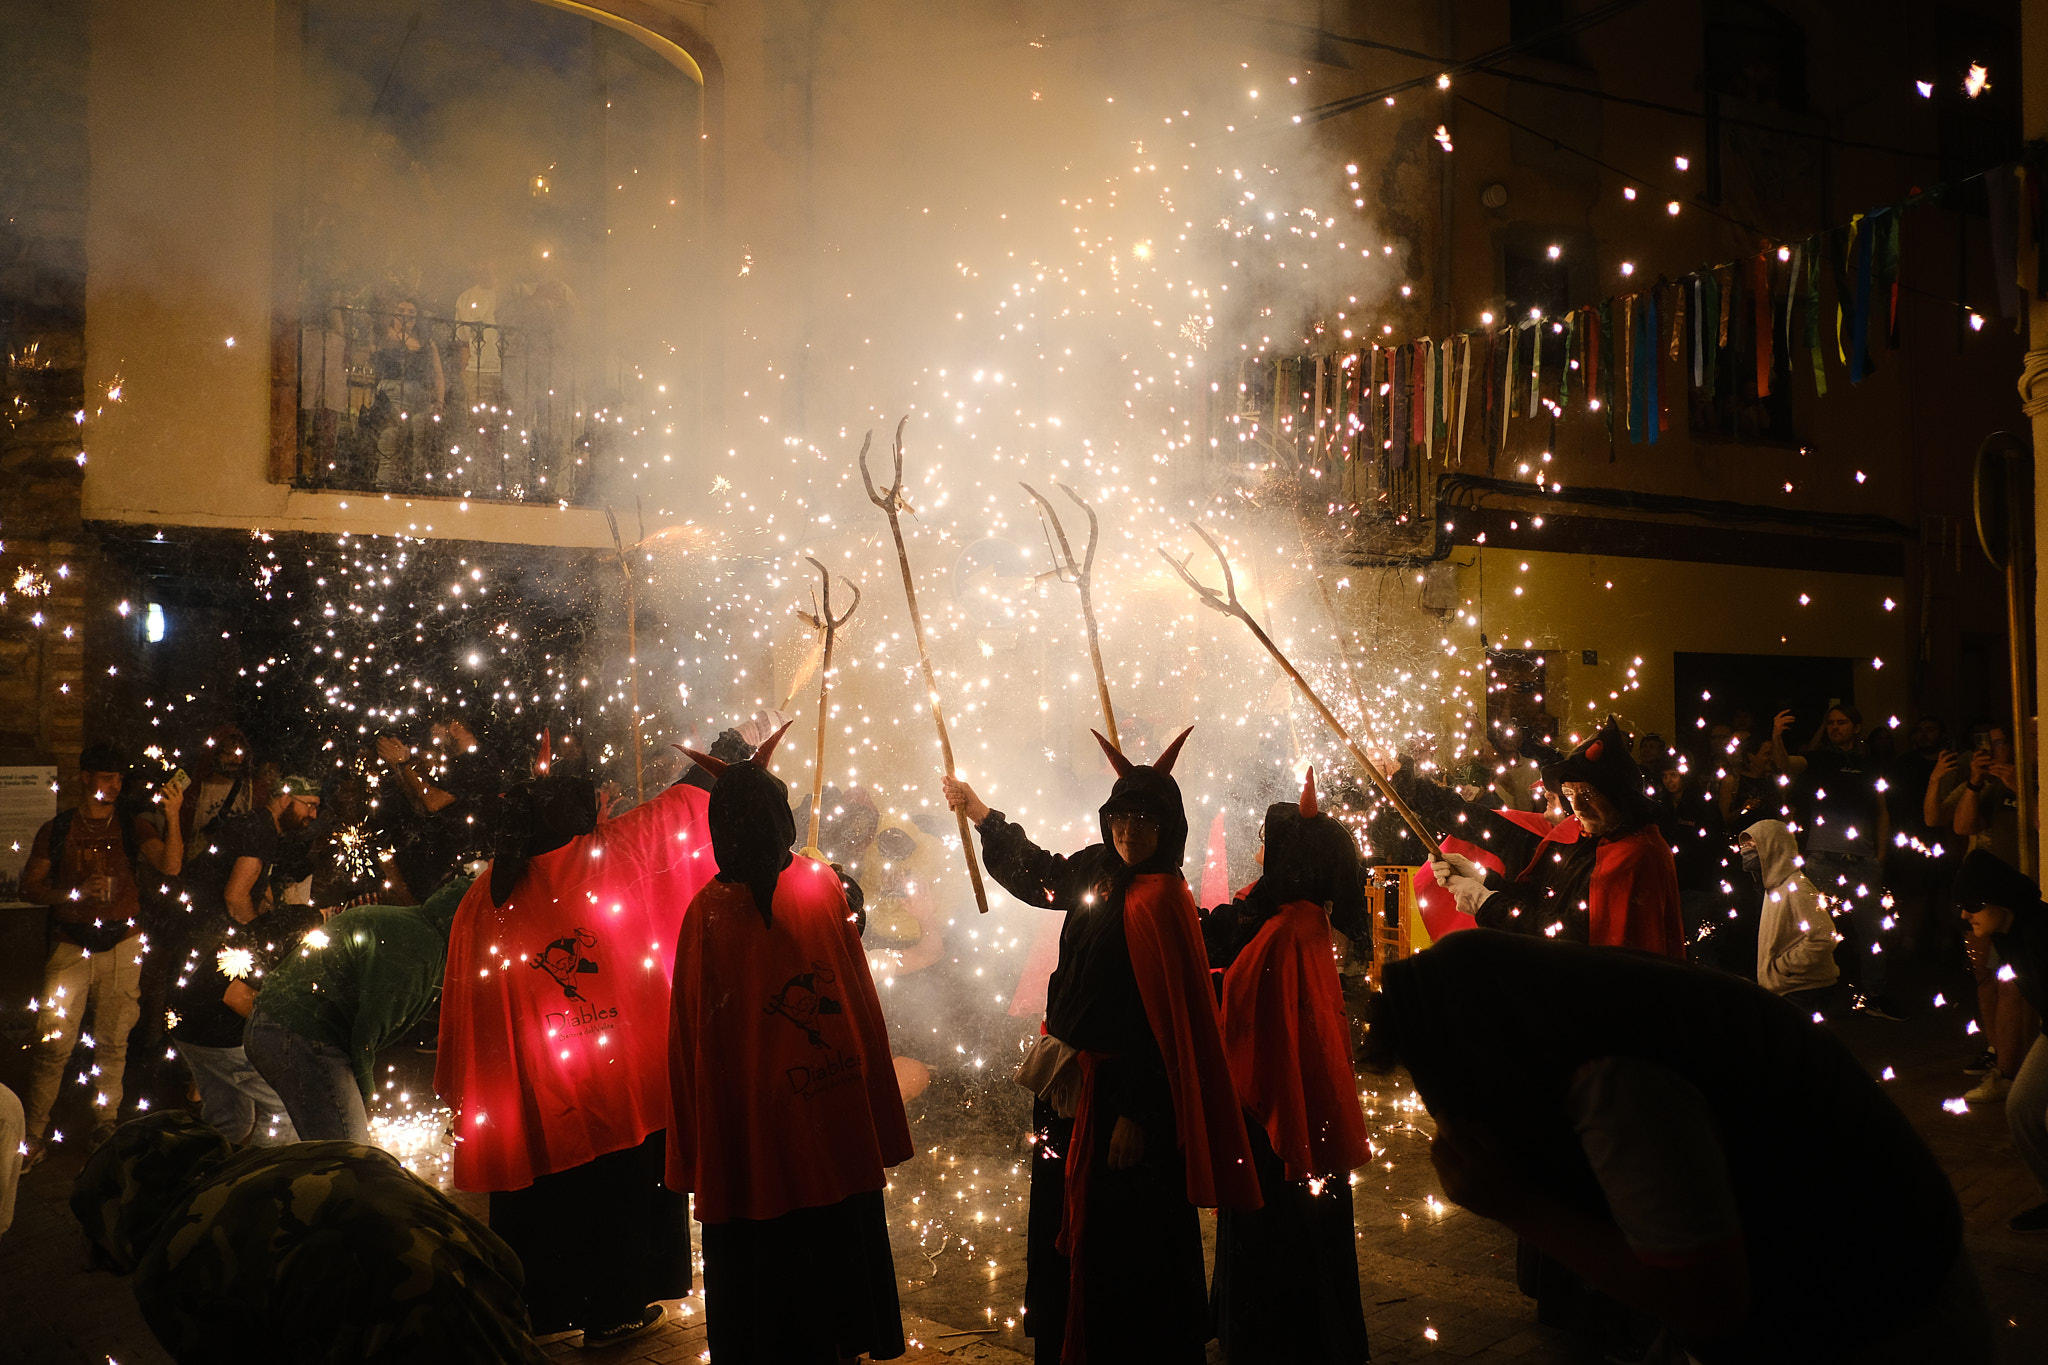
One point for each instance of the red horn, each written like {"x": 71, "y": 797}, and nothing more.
{"x": 715, "y": 766}
{"x": 1117, "y": 761}
{"x": 1164, "y": 763}
{"x": 1308, "y": 795}
{"x": 767, "y": 749}
{"x": 547, "y": 751}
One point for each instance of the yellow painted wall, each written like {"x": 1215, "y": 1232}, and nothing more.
{"x": 1630, "y": 608}
{"x": 184, "y": 103}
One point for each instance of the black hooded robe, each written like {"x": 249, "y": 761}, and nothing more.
{"x": 1143, "y": 1276}
{"x": 1494, "y": 1028}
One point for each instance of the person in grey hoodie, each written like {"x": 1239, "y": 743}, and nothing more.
{"x": 1795, "y": 941}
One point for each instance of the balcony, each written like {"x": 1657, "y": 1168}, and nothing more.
{"x": 391, "y": 401}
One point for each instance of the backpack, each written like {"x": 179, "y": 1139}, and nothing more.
{"x": 93, "y": 938}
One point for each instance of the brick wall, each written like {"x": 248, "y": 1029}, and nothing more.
{"x": 48, "y": 562}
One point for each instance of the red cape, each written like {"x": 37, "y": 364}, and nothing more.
{"x": 554, "y": 1009}
{"x": 1440, "y": 912}
{"x": 1286, "y": 1033}
{"x": 784, "y": 1095}
{"x": 1632, "y": 900}
{"x": 1173, "y": 979}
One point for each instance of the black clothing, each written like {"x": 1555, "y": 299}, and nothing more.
{"x": 752, "y": 829}
{"x": 1494, "y": 1027}
{"x": 534, "y": 818}
{"x": 645, "y": 1252}
{"x": 1092, "y": 1001}
{"x": 1604, "y": 764}
{"x": 427, "y": 846}
{"x": 1308, "y": 858}
{"x": 1299, "y": 1251}
{"x": 1836, "y": 794}
{"x": 834, "y": 1260}
{"x": 1986, "y": 880}
{"x": 1145, "y": 1296}
{"x": 195, "y": 996}
{"x": 1531, "y": 894}
{"x": 1691, "y": 823}
{"x": 1143, "y": 1284}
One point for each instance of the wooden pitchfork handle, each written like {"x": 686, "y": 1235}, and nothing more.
{"x": 1227, "y": 603}
{"x": 823, "y": 620}
{"x": 1084, "y": 578}
{"x": 892, "y": 503}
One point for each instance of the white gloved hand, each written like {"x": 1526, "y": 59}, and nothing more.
{"x": 1450, "y": 865}
{"x": 1464, "y": 879}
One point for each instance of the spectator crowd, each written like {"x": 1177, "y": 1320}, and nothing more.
{"x": 1638, "y": 950}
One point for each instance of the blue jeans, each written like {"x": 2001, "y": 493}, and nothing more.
{"x": 313, "y": 1078}
{"x": 2026, "y": 1111}
{"x": 235, "y": 1101}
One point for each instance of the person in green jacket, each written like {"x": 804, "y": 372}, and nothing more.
{"x": 353, "y": 987}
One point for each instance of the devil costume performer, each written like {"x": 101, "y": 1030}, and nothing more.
{"x": 1286, "y": 1285}
{"x": 1115, "y": 1256}
{"x": 1619, "y": 887}
{"x": 554, "y": 1044}
{"x": 786, "y": 1112}
{"x": 1677, "y": 1105}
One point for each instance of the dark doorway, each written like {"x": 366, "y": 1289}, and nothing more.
{"x": 1713, "y": 689}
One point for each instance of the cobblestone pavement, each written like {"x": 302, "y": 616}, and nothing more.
{"x": 1437, "y": 1282}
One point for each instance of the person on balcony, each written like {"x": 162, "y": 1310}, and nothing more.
{"x": 411, "y": 390}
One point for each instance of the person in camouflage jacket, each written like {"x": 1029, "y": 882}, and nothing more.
{"x": 319, "y": 1251}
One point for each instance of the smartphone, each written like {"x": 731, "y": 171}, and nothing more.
{"x": 178, "y": 782}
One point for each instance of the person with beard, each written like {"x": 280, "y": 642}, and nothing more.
{"x": 1137, "y": 1120}
{"x": 1286, "y": 1287}
{"x": 232, "y": 933}
{"x": 786, "y": 1111}
{"x": 1641, "y": 1121}
{"x": 222, "y": 789}
{"x": 1615, "y": 885}
{"x": 554, "y": 1044}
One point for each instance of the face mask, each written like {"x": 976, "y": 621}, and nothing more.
{"x": 1752, "y": 862}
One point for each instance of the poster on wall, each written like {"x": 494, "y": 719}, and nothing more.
{"x": 28, "y": 798}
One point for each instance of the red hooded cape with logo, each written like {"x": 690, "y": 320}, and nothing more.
{"x": 783, "y": 1091}
{"x": 1286, "y": 1032}
{"x": 554, "y": 1008}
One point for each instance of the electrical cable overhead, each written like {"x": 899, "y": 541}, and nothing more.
{"x": 1336, "y": 108}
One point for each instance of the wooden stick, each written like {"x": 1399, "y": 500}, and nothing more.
{"x": 1083, "y": 578}
{"x": 1227, "y": 603}
{"x": 894, "y": 504}
{"x": 829, "y": 625}
{"x": 1351, "y": 673}
{"x": 632, "y": 654}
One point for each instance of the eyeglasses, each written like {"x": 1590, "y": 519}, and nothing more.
{"x": 1127, "y": 820}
